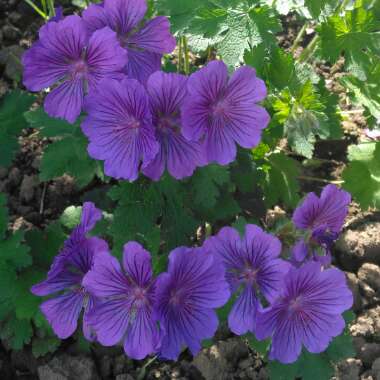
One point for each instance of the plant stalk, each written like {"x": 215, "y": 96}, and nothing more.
{"x": 298, "y": 38}
{"x": 309, "y": 50}
{"x": 37, "y": 9}
{"x": 180, "y": 55}
{"x": 186, "y": 59}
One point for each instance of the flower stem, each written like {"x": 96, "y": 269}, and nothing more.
{"x": 298, "y": 38}
{"x": 309, "y": 50}
{"x": 43, "y": 2}
{"x": 316, "y": 179}
{"x": 180, "y": 55}
{"x": 51, "y": 8}
{"x": 186, "y": 56}
{"x": 37, "y": 9}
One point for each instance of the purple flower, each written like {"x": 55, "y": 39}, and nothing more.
{"x": 186, "y": 296}
{"x": 324, "y": 216}
{"x": 119, "y": 127}
{"x": 307, "y": 312}
{"x": 181, "y": 157}
{"x": 253, "y": 268}
{"x": 125, "y": 310}
{"x": 58, "y": 14}
{"x": 145, "y": 42}
{"x": 302, "y": 252}
{"x": 66, "y": 275}
{"x": 223, "y": 111}
{"x": 68, "y": 59}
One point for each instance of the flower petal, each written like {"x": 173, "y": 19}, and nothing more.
{"x": 204, "y": 88}
{"x": 142, "y": 336}
{"x": 95, "y": 17}
{"x": 219, "y": 145}
{"x": 242, "y": 317}
{"x": 56, "y": 282}
{"x": 155, "y": 36}
{"x": 90, "y": 216}
{"x": 137, "y": 263}
{"x": 106, "y": 279}
{"x": 63, "y": 312}
{"x": 141, "y": 64}
{"x": 66, "y": 100}
{"x": 105, "y": 56}
{"x": 110, "y": 320}
{"x": 124, "y": 15}
{"x": 286, "y": 342}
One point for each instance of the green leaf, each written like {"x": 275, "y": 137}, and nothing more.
{"x": 26, "y": 304}
{"x": 12, "y": 123}
{"x": 365, "y": 93}
{"x": 259, "y": 346}
{"x": 49, "y": 126}
{"x": 43, "y": 346}
{"x": 13, "y": 252}
{"x": 178, "y": 224}
{"x": 7, "y": 288}
{"x": 136, "y": 215}
{"x": 303, "y": 115}
{"x": 180, "y": 12}
{"x": 69, "y": 156}
{"x": 362, "y": 174}
{"x": 71, "y": 216}
{"x": 45, "y": 244}
{"x": 314, "y": 366}
{"x": 206, "y": 183}
{"x": 281, "y": 183}
{"x": 355, "y": 35}
{"x": 17, "y": 332}
{"x": 3, "y": 215}
{"x": 247, "y": 30}
{"x": 280, "y": 371}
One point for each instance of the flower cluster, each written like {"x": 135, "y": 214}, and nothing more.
{"x": 295, "y": 303}
{"x": 107, "y": 63}
{"x": 320, "y": 220}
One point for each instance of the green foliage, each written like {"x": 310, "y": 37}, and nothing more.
{"x": 316, "y": 366}
{"x": 68, "y": 154}
{"x": 366, "y": 93}
{"x": 21, "y": 320}
{"x": 356, "y": 35}
{"x": 3, "y": 216}
{"x": 281, "y": 184}
{"x": 362, "y": 175}
{"x": 206, "y": 184}
{"x": 303, "y": 114}
{"x": 12, "y": 123}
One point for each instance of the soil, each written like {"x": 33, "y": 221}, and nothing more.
{"x": 32, "y": 204}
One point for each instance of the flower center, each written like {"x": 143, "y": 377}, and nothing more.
{"x": 296, "y": 303}
{"x": 166, "y": 123}
{"x": 133, "y": 123}
{"x": 79, "y": 69}
{"x": 218, "y": 108}
{"x": 250, "y": 274}
{"x": 139, "y": 294}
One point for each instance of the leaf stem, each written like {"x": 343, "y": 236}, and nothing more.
{"x": 43, "y": 2}
{"x": 316, "y": 179}
{"x": 37, "y": 9}
{"x": 180, "y": 55}
{"x": 298, "y": 38}
{"x": 186, "y": 60}
{"x": 51, "y": 8}
{"x": 309, "y": 50}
